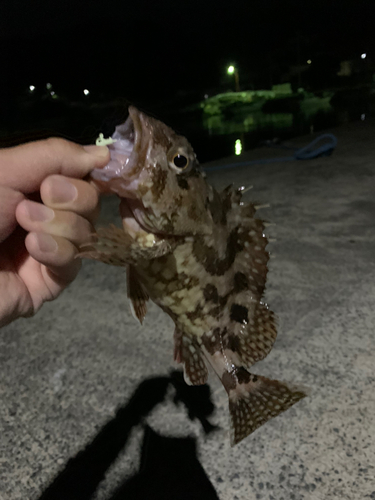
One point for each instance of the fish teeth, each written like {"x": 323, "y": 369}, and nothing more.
{"x": 245, "y": 190}
{"x": 265, "y": 205}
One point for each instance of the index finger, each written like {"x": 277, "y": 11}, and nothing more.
{"x": 25, "y": 167}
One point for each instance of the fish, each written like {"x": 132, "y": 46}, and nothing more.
{"x": 201, "y": 256}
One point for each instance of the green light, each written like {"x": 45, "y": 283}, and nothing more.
{"x": 238, "y": 147}
{"x": 308, "y": 61}
{"x": 230, "y": 70}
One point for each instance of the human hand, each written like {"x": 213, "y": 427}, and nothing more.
{"x": 46, "y": 212}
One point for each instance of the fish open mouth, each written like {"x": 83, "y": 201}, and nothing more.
{"x": 120, "y": 175}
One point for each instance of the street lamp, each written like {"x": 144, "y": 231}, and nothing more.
{"x": 232, "y": 70}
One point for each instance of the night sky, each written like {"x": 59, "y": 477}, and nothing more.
{"x": 150, "y": 50}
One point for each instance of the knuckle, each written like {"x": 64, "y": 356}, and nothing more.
{"x": 56, "y": 143}
{"x": 57, "y": 146}
{"x": 54, "y": 147}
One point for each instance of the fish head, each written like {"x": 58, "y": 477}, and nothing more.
{"x": 157, "y": 176}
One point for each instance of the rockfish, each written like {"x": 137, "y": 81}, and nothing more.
{"x": 201, "y": 256}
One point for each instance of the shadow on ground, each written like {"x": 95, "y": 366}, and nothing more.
{"x": 169, "y": 466}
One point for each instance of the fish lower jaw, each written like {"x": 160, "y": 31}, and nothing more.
{"x": 132, "y": 214}
{"x": 132, "y": 228}
{"x": 118, "y": 176}
{"x": 142, "y": 237}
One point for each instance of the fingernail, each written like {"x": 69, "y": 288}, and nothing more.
{"x": 62, "y": 191}
{"x": 39, "y": 213}
{"x": 46, "y": 243}
{"x": 100, "y": 151}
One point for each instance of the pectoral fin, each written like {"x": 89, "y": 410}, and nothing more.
{"x": 112, "y": 245}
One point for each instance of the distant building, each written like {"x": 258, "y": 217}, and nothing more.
{"x": 282, "y": 88}
{"x": 358, "y": 66}
{"x": 346, "y": 68}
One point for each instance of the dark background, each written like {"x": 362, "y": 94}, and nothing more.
{"x": 162, "y": 55}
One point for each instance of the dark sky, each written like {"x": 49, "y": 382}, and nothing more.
{"x": 157, "y": 47}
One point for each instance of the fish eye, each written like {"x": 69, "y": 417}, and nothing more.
{"x": 180, "y": 161}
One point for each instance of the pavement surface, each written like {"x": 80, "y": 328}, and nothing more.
{"x": 67, "y": 429}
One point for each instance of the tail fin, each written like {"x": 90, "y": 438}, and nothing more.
{"x": 254, "y": 400}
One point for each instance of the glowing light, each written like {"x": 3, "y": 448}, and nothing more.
{"x": 86, "y": 92}
{"x": 364, "y": 55}
{"x": 206, "y": 96}
{"x": 363, "y": 116}
{"x": 238, "y": 147}
{"x": 230, "y": 70}
{"x": 308, "y": 61}
{"x": 32, "y": 88}
{"x": 48, "y": 86}
{"x": 52, "y": 93}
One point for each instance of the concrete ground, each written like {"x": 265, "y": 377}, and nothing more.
{"x": 65, "y": 373}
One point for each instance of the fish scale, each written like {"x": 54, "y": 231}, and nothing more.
{"x": 201, "y": 256}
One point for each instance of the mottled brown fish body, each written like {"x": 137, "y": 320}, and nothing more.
{"x": 201, "y": 256}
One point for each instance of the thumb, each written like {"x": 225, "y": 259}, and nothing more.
{"x": 24, "y": 167}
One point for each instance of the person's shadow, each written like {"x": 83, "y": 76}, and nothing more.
{"x": 169, "y": 468}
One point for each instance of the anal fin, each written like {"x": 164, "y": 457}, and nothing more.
{"x": 188, "y": 353}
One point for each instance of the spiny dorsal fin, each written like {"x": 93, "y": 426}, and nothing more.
{"x": 137, "y": 294}
{"x": 230, "y": 195}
